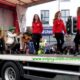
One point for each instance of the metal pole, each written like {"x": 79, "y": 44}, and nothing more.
{"x": 59, "y": 5}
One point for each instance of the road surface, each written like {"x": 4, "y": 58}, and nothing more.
{"x": 64, "y": 77}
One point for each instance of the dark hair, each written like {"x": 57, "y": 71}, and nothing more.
{"x": 56, "y": 15}
{"x": 78, "y": 11}
{"x": 35, "y": 19}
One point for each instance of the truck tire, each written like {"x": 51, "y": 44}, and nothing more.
{"x": 10, "y": 71}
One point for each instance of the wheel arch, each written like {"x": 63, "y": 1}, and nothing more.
{"x": 18, "y": 65}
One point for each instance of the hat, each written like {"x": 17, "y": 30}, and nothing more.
{"x": 11, "y": 28}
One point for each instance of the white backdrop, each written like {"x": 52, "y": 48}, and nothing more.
{"x": 21, "y": 12}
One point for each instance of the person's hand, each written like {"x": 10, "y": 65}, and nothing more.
{"x": 53, "y": 35}
{"x": 66, "y": 35}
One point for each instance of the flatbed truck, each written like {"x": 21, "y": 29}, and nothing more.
{"x": 40, "y": 67}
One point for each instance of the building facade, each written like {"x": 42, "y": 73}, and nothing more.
{"x": 47, "y": 11}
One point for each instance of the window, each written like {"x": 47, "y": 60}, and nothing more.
{"x": 65, "y": 14}
{"x": 45, "y": 16}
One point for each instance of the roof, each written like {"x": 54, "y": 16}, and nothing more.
{"x": 23, "y": 2}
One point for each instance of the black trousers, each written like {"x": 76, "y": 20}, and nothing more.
{"x": 60, "y": 41}
{"x": 77, "y": 41}
{"x": 36, "y": 40}
{"x": 2, "y": 45}
{"x": 16, "y": 47}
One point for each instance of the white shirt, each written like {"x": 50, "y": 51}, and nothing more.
{"x": 10, "y": 37}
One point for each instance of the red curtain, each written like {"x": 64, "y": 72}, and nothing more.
{"x": 15, "y": 19}
{"x": 15, "y": 22}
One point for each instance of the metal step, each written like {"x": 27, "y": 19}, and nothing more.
{"x": 51, "y": 70}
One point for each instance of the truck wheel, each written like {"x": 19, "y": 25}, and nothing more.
{"x": 10, "y": 71}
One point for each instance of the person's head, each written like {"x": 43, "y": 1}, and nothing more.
{"x": 29, "y": 29}
{"x": 11, "y": 29}
{"x": 57, "y": 15}
{"x": 78, "y": 11}
{"x": 36, "y": 18}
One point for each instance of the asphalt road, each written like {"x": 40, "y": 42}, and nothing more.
{"x": 64, "y": 77}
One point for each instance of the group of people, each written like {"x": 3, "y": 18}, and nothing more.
{"x": 13, "y": 42}
{"x": 59, "y": 30}
{"x": 17, "y": 41}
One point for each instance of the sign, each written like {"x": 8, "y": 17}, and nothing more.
{"x": 47, "y": 31}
